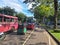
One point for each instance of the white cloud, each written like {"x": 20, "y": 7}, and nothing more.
{"x": 13, "y": 4}
{"x": 17, "y": 5}
{"x": 29, "y": 5}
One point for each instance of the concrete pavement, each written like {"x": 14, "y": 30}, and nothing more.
{"x": 38, "y": 37}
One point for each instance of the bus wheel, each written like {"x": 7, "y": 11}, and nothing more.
{"x": 2, "y": 36}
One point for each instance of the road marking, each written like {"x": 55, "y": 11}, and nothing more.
{"x": 49, "y": 41}
{"x": 27, "y": 38}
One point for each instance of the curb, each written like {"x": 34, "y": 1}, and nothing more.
{"x": 53, "y": 39}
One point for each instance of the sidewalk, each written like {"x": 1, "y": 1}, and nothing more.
{"x": 38, "y": 38}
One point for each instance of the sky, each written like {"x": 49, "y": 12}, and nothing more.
{"x": 18, "y": 5}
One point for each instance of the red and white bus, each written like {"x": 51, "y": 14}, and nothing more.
{"x": 8, "y": 23}
{"x": 30, "y": 23}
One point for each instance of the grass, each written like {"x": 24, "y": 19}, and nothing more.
{"x": 55, "y": 34}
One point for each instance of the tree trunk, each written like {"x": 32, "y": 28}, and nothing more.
{"x": 55, "y": 13}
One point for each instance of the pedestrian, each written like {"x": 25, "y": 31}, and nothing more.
{"x": 19, "y": 24}
{"x": 25, "y": 27}
{"x": 20, "y": 28}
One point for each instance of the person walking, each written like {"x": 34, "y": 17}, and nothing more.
{"x": 20, "y": 28}
{"x": 25, "y": 29}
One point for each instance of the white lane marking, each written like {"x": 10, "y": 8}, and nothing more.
{"x": 27, "y": 38}
{"x": 49, "y": 41}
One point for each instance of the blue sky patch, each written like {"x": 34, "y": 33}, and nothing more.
{"x": 18, "y": 5}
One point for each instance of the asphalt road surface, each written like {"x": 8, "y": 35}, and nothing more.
{"x": 36, "y": 37}
{"x": 14, "y": 39}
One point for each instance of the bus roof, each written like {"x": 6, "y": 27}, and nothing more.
{"x": 8, "y": 16}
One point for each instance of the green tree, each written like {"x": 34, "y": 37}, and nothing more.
{"x": 8, "y": 11}
{"x": 55, "y": 13}
{"x": 39, "y": 1}
{"x": 21, "y": 17}
{"x": 58, "y": 11}
{"x": 55, "y": 8}
{"x": 45, "y": 5}
{"x": 1, "y": 10}
{"x": 43, "y": 11}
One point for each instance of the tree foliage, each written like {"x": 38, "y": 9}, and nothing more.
{"x": 43, "y": 11}
{"x": 39, "y": 2}
{"x": 7, "y": 10}
{"x": 21, "y": 17}
{"x": 55, "y": 13}
{"x": 48, "y": 2}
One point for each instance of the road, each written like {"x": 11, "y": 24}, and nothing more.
{"x": 14, "y": 39}
{"x": 36, "y": 37}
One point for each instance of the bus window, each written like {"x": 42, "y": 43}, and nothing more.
{"x": 0, "y": 19}
{"x": 12, "y": 20}
{"x": 6, "y": 19}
